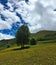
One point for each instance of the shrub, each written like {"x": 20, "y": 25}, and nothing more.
{"x": 32, "y": 41}
{"x": 8, "y": 46}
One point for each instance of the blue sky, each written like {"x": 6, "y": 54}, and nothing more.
{"x": 37, "y": 14}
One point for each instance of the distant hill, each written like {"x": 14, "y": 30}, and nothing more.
{"x": 39, "y": 36}
{"x": 5, "y": 43}
{"x": 44, "y": 35}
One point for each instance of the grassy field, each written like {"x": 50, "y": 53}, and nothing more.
{"x": 44, "y": 53}
{"x": 40, "y": 54}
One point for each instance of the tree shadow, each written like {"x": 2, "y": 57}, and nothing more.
{"x": 21, "y": 48}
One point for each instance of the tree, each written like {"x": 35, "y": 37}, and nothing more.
{"x": 32, "y": 41}
{"x": 22, "y": 35}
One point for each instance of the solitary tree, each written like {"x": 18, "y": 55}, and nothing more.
{"x": 22, "y": 35}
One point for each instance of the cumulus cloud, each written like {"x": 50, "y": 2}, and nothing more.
{"x": 4, "y": 36}
{"x": 39, "y": 14}
{"x": 43, "y": 15}
{"x": 10, "y": 18}
{"x": 4, "y": 25}
{"x": 1, "y": 7}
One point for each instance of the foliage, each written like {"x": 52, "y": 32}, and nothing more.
{"x": 32, "y": 41}
{"x": 22, "y": 35}
{"x": 8, "y": 46}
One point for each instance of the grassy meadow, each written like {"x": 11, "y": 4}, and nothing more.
{"x": 41, "y": 54}
{"x": 44, "y": 53}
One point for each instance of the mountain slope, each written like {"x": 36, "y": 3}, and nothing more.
{"x": 44, "y": 33}
{"x": 46, "y": 36}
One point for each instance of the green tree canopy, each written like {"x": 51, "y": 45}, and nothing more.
{"x": 22, "y": 35}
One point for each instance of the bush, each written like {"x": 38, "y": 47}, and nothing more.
{"x": 32, "y": 41}
{"x": 8, "y": 46}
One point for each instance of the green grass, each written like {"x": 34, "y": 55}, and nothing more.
{"x": 40, "y": 54}
{"x": 44, "y": 53}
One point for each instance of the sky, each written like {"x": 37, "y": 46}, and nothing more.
{"x": 36, "y": 14}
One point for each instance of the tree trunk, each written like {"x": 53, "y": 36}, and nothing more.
{"x": 22, "y": 45}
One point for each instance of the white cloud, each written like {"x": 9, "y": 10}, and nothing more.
{"x": 34, "y": 28}
{"x": 46, "y": 18}
{"x": 1, "y": 7}
{"x": 4, "y": 36}
{"x": 10, "y": 5}
{"x": 4, "y": 25}
{"x": 38, "y": 13}
{"x": 10, "y": 16}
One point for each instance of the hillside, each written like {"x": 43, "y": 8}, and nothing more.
{"x": 44, "y": 53}
{"x": 44, "y": 33}
{"x": 5, "y": 43}
{"x": 40, "y": 36}
{"x": 40, "y": 54}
